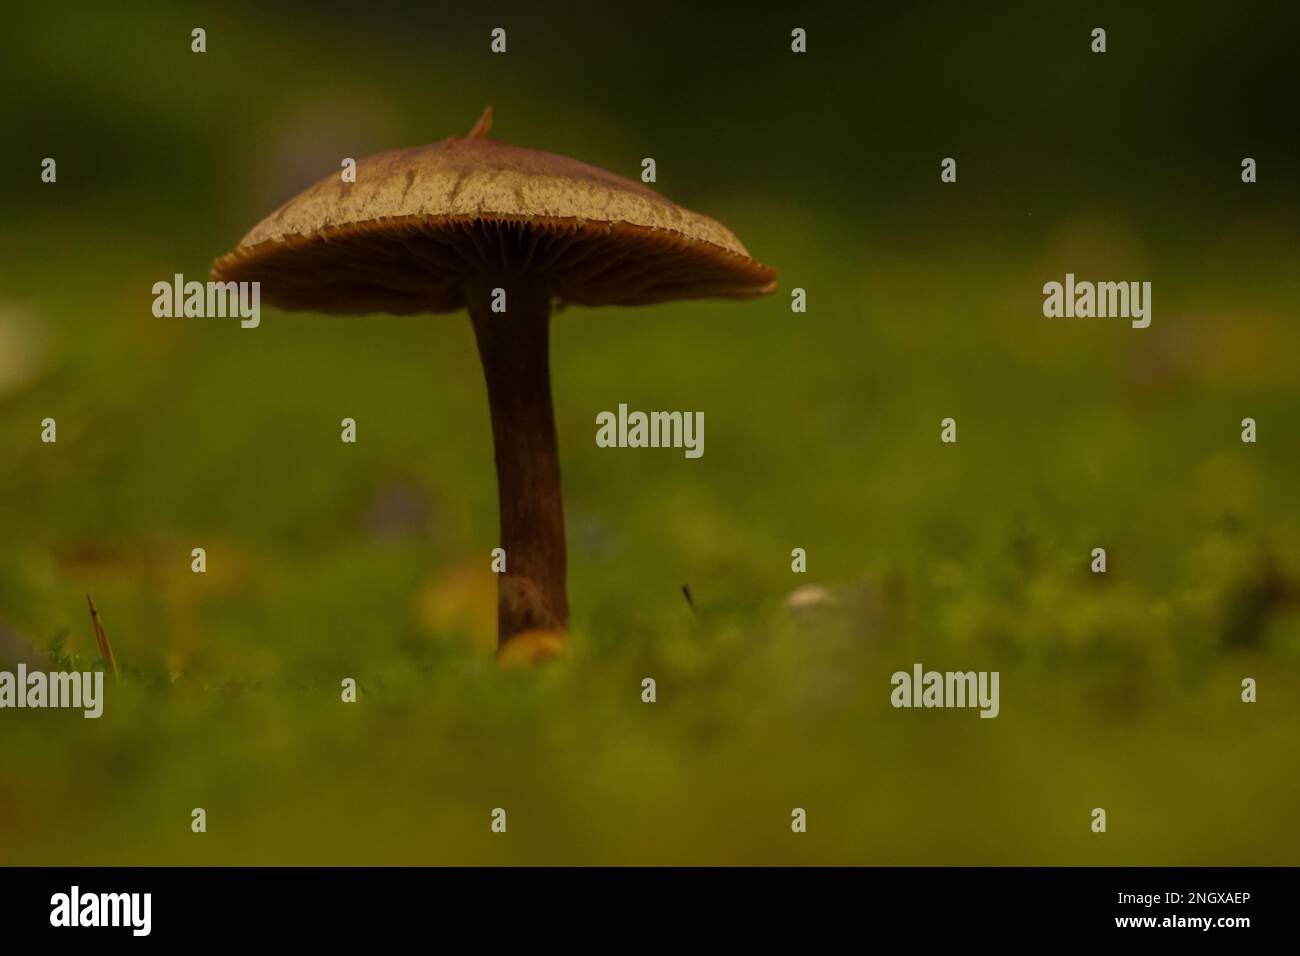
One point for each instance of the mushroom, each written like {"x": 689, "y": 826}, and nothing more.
{"x": 502, "y": 231}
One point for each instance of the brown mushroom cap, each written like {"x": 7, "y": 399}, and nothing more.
{"x": 405, "y": 235}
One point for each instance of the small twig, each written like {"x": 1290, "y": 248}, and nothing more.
{"x": 686, "y": 593}
{"x": 105, "y": 648}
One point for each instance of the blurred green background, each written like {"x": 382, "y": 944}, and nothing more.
{"x": 328, "y": 560}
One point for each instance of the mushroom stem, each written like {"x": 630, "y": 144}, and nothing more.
{"x": 514, "y": 348}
